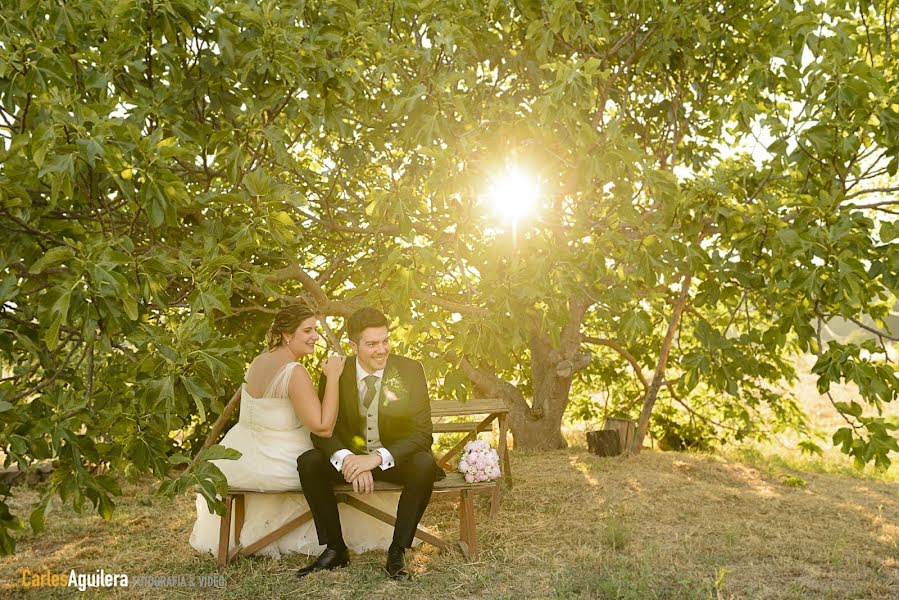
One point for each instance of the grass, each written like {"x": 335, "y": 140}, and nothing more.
{"x": 754, "y": 522}
{"x": 615, "y": 533}
{"x": 660, "y": 525}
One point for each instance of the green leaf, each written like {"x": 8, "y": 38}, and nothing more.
{"x": 7, "y": 542}
{"x": 51, "y": 335}
{"x": 179, "y": 459}
{"x": 105, "y": 506}
{"x": 38, "y": 515}
{"x": 258, "y": 183}
{"x": 218, "y": 452}
{"x": 51, "y": 258}
{"x": 129, "y": 303}
{"x": 843, "y": 437}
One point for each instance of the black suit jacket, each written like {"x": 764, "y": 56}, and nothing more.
{"x": 404, "y": 412}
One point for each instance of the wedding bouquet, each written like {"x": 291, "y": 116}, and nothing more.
{"x": 479, "y": 462}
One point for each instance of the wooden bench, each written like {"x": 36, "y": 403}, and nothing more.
{"x": 453, "y": 486}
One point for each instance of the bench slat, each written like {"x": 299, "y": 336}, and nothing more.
{"x": 454, "y": 427}
{"x": 452, "y": 481}
{"x": 475, "y": 406}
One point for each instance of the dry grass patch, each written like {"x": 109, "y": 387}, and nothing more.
{"x": 661, "y": 525}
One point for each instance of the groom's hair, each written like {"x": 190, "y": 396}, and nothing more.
{"x": 361, "y": 320}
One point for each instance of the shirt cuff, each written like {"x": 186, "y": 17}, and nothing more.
{"x": 337, "y": 458}
{"x": 386, "y": 458}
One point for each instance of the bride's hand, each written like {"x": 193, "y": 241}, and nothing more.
{"x": 333, "y": 367}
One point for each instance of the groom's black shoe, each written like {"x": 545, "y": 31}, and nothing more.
{"x": 396, "y": 563}
{"x": 329, "y": 559}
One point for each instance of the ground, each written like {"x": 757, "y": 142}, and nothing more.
{"x": 660, "y": 525}
{"x": 749, "y": 523}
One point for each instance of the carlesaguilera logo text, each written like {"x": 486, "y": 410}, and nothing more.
{"x": 81, "y": 581}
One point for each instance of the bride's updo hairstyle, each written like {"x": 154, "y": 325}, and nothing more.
{"x": 286, "y": 321}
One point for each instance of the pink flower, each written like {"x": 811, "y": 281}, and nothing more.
{"x": 479, "y": 462}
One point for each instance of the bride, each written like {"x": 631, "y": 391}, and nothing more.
{"x": 278, "y": 410}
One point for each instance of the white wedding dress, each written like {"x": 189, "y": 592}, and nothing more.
{"x": 270, "y": 438}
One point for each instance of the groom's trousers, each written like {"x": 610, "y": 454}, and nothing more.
{"x": 318, "y": 476}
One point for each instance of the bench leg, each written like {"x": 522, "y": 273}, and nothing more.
{"x": 468, "y": 535}
{"x": 238, "y": 517}
{"x": 225, "y": 533}
{"x": 495, "y": 497}
{"x": 503, "y": 450}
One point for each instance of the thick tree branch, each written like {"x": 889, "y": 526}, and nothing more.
{"x": 251, "y": 308}
{"x": 873, "y": 205}
{"x": 569, "y": 366}
{"x": 317, "y": 299}
{"x": 324, "y": 305}
{"x": 570, "y": 338}
{"x": 465, "y": 309}
{"x": 308, "y": 282}
{"x": 488, "y": 381}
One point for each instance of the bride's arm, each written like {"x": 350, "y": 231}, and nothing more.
{"x": 318, "y": 416}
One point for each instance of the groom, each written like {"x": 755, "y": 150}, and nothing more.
{"x": 383, "y": 432}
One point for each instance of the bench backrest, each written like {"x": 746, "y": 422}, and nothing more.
{"x": 475, "y": 406}
{"x": 488, "y": 410}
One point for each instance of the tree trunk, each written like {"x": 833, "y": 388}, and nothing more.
{"x": 659, "y": 376}
{"x": 538, "y": 425}
{"x": 531, "y": 431}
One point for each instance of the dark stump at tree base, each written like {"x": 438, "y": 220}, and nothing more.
{"x": 605, "y": 442}
{"x": 626, "y": 428}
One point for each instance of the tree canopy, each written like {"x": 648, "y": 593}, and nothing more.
{"x": 717, "y": 183}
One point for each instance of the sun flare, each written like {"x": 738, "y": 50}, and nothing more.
{"x": 513, "y": 194}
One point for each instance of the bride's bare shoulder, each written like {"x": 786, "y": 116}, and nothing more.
{"x": 260, "y": 363}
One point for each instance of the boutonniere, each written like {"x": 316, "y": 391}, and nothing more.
{"x": 394, "y": 389}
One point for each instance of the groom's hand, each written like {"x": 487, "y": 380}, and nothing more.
{"x": 355, "y": 464}
{"x": 364, "y": 483}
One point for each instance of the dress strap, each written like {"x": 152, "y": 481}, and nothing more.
{"x": 278, "y": 387}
